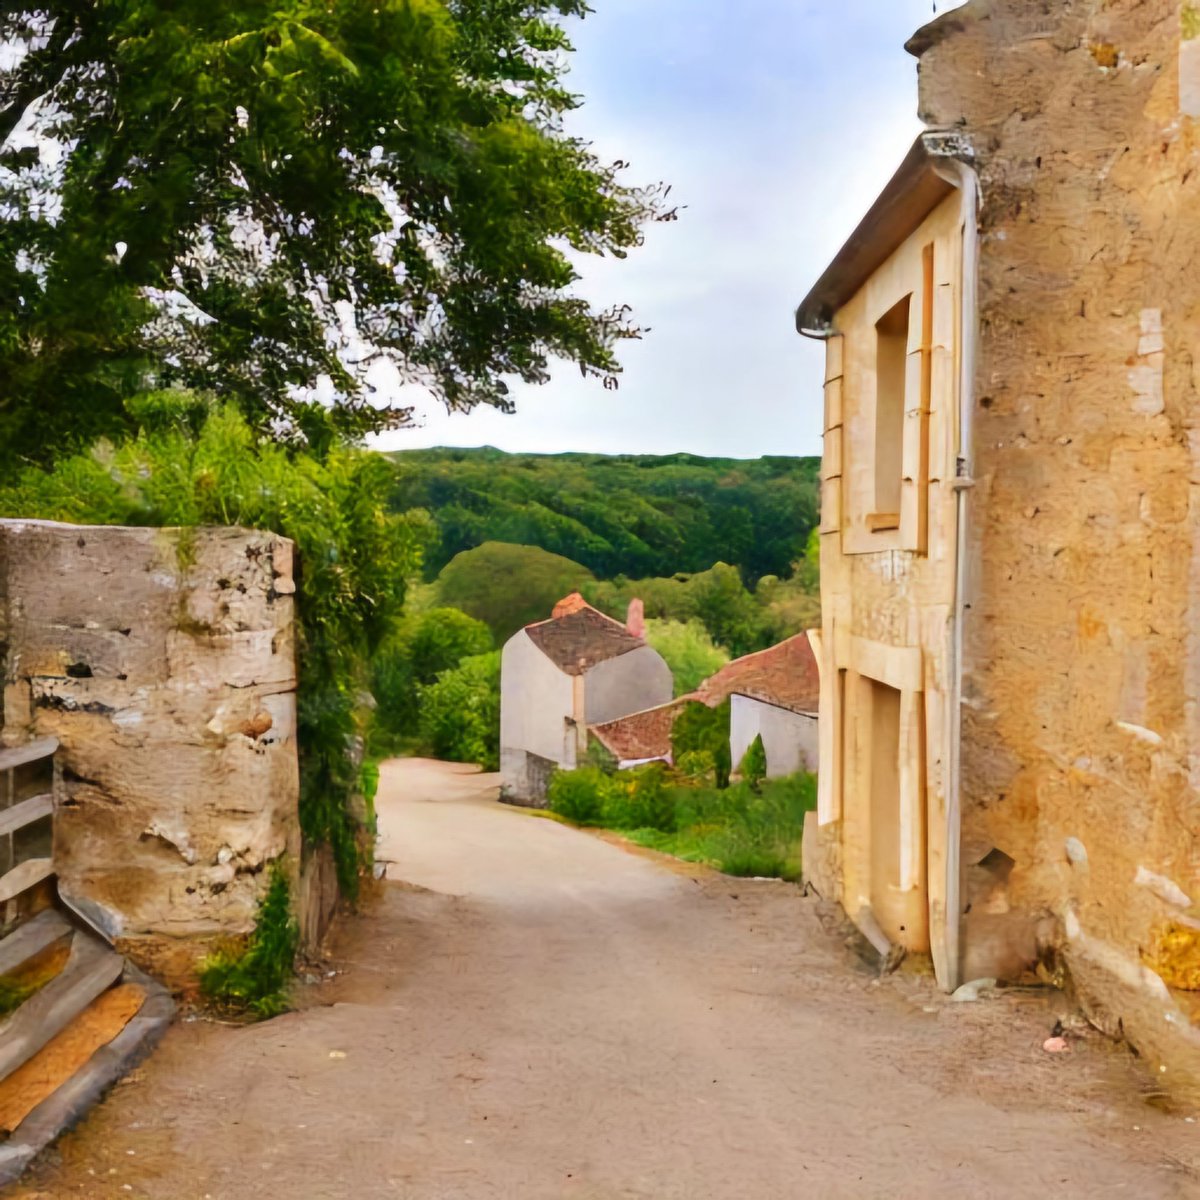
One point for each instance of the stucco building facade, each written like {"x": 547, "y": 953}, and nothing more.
{"x": 1010, "y": 667}
{"x": 557, "y": 678}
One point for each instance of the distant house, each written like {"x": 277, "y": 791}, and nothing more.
{"x": 774, "y": 695}
{"x": 560, "y": 676}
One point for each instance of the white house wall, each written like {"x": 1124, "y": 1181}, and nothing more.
{"x": 627, "y": 684}
{"x": 790, "y": 739}
{"x": 535, "y": 702}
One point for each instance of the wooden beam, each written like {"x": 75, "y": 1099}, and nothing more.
{"x": 18, "y": 756}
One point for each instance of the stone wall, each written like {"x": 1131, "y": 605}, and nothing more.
{"x": 164, "y": 662}
{"x": 1081, "y": 750}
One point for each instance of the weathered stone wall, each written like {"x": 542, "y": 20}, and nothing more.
{"x": 1081, "y": 753}
{"x": 164, "y": 661}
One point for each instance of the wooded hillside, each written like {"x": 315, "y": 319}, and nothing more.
{"x": 638, "y": 516}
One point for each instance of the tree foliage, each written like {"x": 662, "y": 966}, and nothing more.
{"x": 424, "y": 645}
{"x": 631, "y": 516}
{"x": 700, "y": 741}
{"x": 460, "y": 712}
{"x": 508, "y": 587}
{"x": 195, "y": 464}
{"x": 688, "y": 649}
{"x": 256, "y": 197}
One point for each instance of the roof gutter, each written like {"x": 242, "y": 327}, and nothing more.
{"x": 953, "y": 164}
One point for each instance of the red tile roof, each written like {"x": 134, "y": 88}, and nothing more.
{"x": 785, "y": 675}
{"x": 578, "y": 636}
{"x": 641, "y": 735}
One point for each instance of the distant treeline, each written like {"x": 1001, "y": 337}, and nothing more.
{"x": 636, "y": 516}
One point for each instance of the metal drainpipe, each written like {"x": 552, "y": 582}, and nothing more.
{"x": 964, "y": 178}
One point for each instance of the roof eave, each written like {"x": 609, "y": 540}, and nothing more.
{"x": 912, "y": 194}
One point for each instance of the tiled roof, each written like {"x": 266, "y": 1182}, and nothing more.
{"x": 785, "y": 675}
{"x": 641, "y": 735}
{"x": 581, "y": 637}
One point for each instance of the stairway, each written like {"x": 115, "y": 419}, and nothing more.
{"x": 74, "y": 1015}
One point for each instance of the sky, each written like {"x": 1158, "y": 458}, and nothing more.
{"x": 777, "y": 122}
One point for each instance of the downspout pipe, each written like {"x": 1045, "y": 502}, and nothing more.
{"x": 965, "y": 179}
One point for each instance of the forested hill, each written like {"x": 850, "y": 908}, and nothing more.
{"x": 632, "y": 515}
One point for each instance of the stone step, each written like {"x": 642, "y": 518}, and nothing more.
{"x": 30, "y": 939}
{"x": 91, "y": 969}
{"x": 111, "y": 1058}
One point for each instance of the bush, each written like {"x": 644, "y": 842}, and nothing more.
{"x": 460, "y": 712}
{"x": 579, "y": 795}
{"x": 422, "y": 647}
{"x": 743, "y": 832}
{"x": 639, "y": 799}
{"x": 703, "y": 731}
{"x": 253, "y": 977}
{"x": 754, "y": 763}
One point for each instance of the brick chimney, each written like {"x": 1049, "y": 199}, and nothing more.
{"x": 635, "y": 622}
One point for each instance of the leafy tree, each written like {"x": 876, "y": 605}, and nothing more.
{"x": 729, "y": 611}
{"x": 256, "y": 197}
{"x": 689, "y": 651}
{"x": 422, "y": 647}
{"x": 460, "y": 712}
{"x": 193, "y": 464}
{"x": 508, "y": 587}
{"x": 628, "y": 515}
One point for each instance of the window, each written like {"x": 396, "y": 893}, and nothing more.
{"x": 891, "y": 368}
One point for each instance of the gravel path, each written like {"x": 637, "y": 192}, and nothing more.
{"x": 528, "y": 1012}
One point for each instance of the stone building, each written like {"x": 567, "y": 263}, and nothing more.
{"x": 558, "y": 677}
{"x": 1010, "y": 648}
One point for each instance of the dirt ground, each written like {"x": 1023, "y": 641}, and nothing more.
{"x": 532, "y": 1013}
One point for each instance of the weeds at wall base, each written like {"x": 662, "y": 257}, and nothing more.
{"x": 250, "y": 976}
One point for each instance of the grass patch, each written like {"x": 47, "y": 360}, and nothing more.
{"x": 741, "y": 830}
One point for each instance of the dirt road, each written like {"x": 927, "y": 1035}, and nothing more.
{"x": 532, "y": 1013}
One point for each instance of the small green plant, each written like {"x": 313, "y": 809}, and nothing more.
{"x": 753, "y": 769}
{"x": 253, "y": 977}
{"x": 13, "y": 994}
{"x": 369, "y": 786}
{"x": 639, "y": 799}
{"x": 579, "y": 795}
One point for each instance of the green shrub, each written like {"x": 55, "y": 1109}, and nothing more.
{"x": 704, "y": 730}
{"x": 253, "y": 977}
{"x": 579, "y": 795}
{"x": 753, "y": 769}
{"x": 422, "y": 647}
{"x": 460, "y": 712}
{"x": 639, "y": 799}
